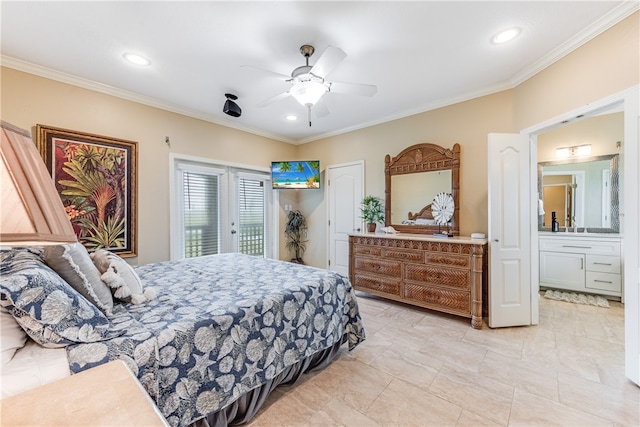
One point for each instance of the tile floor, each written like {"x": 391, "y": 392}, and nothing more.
{"x": 422, "y": 368}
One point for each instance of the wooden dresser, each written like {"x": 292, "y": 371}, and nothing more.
{"x": 443, "y": 274}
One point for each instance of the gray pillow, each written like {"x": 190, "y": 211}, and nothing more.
{"x": 73, "y": 264}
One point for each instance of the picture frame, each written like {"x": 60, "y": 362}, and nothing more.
{"x": 97, "y": 180}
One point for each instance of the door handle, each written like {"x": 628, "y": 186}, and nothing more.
{"x": 496, "y": 240}
{"x": 233, "y": 231}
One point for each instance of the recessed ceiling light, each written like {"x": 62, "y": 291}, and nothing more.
{"x": 292, "y": 118}
{"x": 506, "y": 35}
{"x": 136, "y": 59}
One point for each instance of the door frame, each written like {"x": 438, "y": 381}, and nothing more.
{"x": 630, "y": 227}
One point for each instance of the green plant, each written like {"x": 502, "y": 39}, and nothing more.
{"x": 372, "y": 210}
{"x": 296, "y": 232}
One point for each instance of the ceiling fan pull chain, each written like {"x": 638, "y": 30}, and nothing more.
{"x": 309, "y": 111}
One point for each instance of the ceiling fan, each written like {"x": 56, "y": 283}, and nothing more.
{"x": 309, "y": 84}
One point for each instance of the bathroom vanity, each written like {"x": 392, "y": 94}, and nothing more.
{"x": 581, "y": 262}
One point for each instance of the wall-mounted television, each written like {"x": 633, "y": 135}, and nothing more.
{"x": 295, "y": 174}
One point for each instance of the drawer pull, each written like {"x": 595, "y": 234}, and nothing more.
{"x": 576, "y": 247}
{"x": 602, "y": 263}
{"x": 602, "y": 281}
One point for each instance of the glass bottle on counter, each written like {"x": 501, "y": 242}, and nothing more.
{"x": 555, "y": 226}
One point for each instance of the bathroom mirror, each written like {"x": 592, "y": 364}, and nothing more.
{"x": 584, "y": 192}
{"x": 412, "y": 179}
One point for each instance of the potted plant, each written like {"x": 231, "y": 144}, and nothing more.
{"x": 372, "y": 212}
{"x": 296, "y": 232}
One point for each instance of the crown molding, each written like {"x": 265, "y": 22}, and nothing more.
{"x": 48, "y": 73}
{"x": 441, "y": 103}
{"x": 616, "y": 15}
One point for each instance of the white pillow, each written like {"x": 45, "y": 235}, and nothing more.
{"x": 121, "y": 277}
{"x": 73, "y": 264}
{"x": 12, "y": 336}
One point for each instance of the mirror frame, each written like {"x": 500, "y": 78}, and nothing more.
{"x": 418, "y": 158}
{"x": 615, "y": 195}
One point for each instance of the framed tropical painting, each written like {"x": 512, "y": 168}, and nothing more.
{"x": 96, "y": 178}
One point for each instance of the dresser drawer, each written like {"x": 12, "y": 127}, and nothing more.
{"x": 386, "y": 285}
{"x": 379, "y": 266}
{"x": 367, "y": 250}
{"x": 603, "y": 281}
{"x": 446, "y": 277}
{"x": 413, "y": 256}
{"x": 448, "y": 260}
{"x": 603, "y": 263}
{"x": 456, "y": 301}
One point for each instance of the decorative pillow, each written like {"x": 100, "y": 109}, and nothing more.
{"x": 73, "y": 264}
{"x": 50, "y": 311}
{"x": 121, "y": 277}
{"x": 12, "y": 336}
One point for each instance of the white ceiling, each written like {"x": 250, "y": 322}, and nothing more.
{"x": 420, "y": 54}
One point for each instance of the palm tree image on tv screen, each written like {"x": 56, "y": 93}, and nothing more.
{"x": 298, "y": 174}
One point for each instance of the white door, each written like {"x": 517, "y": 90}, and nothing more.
{"x": 346, "y": 191}
{"x": 509, "y": 230}
{"x": 249, "y": 213}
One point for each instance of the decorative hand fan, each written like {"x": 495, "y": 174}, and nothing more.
{"x": 442, "y": 209}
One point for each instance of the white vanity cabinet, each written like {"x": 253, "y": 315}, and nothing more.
{"x": 581, "y": 263}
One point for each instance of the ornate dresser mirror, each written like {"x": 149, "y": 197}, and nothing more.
{"x": 412, "y": 179}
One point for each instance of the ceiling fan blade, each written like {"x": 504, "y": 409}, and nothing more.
{"x": 266, "y": 72}
{"x": 353, "y": 88}
{"x": 273, "y": 99}
{"x": 320, "y": 109}
{"x": 330, "y": 58}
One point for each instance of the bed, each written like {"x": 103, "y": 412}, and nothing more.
{"x": 215, "y": 336}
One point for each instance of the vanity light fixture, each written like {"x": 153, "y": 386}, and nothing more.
{"x": 136, "y": 59}
{"x": 574, "y": 151}
{"x": 506, "y": 35}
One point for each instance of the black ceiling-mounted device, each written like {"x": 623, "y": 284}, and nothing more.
{"x": 230, "y": 107}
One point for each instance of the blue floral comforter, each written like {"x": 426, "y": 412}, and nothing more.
{"x": 222, "y": 325}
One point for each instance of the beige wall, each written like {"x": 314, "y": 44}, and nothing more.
{"x": 28, "y": 100}
{"x": 604, "y": 66}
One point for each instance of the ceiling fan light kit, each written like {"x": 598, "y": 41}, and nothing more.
{"x": 308, "y": 92}
{"x": 308, "y": 83}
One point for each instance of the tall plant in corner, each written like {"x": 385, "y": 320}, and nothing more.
{"x": 296, "y": 232}
{"x": 372, "y": 210}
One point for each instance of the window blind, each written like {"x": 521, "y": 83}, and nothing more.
{"x": 251, "y": 216}
{"x": 201, "y": 214}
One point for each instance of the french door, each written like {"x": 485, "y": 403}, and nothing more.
{"x": 218, "y": 208}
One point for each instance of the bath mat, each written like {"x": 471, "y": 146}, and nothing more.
{"x": 577, "y": 298}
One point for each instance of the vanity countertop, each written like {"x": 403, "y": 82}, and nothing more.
{"x": 579, "y": 235}
{"x": 425, "y": 237}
